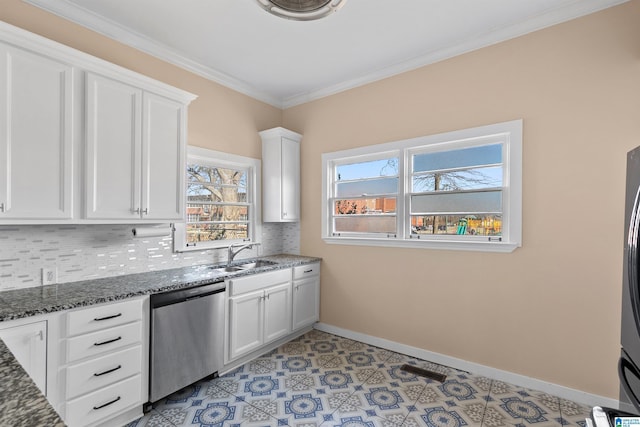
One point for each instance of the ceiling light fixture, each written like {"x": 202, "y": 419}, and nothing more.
{"x": 301, "y": 10}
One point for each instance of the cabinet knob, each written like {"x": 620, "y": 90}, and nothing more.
{"x": 136, "y": 210}
{"x": 284, "y": 214}
{"x": 145, "y": 211}
{"x": 1, "y": 207}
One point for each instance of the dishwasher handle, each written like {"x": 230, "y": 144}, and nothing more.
{"x": 183, "y": 295}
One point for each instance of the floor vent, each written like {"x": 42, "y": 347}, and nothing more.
{"x": 424, "y": 373}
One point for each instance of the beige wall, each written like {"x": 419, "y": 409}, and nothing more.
{"x": 220, "y": 119}
{"x": 550, "y": 310}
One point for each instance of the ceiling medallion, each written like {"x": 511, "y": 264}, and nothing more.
{"x": 301, "y": 10}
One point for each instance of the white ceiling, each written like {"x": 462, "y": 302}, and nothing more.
{"x": 285, "y": 63}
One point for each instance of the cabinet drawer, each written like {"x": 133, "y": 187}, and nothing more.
{"x": 103, "y": 316}
{"x": 259, "y": 281}
{"x": 103, "y": 341}
{"x": 307, "y": 270}
{"x": 89, "y": 409}
{"x": 102, "y": 371}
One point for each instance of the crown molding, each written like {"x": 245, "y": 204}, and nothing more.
{"x": 557, "y": 16}
{"x": 86, "y": 18}
{"x": 115, "y": 31}
{"x": 24, "y": 39}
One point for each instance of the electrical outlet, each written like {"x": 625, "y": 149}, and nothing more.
{"x": 49, "y": 276}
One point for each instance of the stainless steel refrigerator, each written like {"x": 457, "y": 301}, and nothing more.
{"x": 629, "y": 364}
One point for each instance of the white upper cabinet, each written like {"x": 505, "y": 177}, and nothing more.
{"x": 113, "y": 149}
{"x": 135, "y": 153}
{"x": 86, "y": 141}
{"x": 280, "y": 175}
{"x": 163, "y": 158}
{"x": 36, "y": 136}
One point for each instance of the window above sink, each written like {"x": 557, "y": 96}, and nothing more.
{"x": 222, "y": 201}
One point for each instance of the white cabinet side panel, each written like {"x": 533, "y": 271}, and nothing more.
{"x": 290, "y": 180}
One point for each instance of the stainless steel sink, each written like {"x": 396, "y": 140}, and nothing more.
{"x": 255, "y": 264}
{"x": 231, "y": 269}
{"x": 242, "y": 267}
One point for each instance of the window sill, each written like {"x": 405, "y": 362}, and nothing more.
{"x": 213, "y": 246}
{"x": 478, "y": 246}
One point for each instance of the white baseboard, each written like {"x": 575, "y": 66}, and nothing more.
{"x": 475, "y": 368}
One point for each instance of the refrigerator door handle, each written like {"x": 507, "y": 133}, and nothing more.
{"x": 632, "y": 260}
{"x": 625, "y": 367}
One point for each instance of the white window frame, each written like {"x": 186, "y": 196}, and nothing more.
{"x": 214, "y": 158}
{"x": 507, "y": 133}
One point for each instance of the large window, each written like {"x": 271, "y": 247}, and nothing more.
{"x": 222, "y": 203}
{"x": 459, "y": 190}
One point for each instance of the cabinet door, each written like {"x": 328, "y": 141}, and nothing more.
{"x": 113, "y": 150}
{"x": 163, "y": 158}
{"x": 28, "y": 343}
{"x": 245, "y": 323}
{"x": 36, "y": 137}
{"x": 306, "y": 302}
{"x": 290, "y": 180}
{"x": 277, "y": 312}
{"x": 280, "y": 175}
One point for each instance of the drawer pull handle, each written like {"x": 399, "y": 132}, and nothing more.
{"x": 309, "y": 271}
{"x": 107, "y": 404}
{"x": 107, "y": 372}
{"x": 98, "y": 319}
{"x": 108, "y": 342}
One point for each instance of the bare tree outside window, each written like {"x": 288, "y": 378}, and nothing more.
{"x": 469, "y": 174}
{"x": 217, "y": 205}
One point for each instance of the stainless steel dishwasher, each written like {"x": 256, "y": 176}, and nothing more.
{"x": 187, "y": 335}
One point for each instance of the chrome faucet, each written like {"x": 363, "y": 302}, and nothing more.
{"x": 231, "y": 254}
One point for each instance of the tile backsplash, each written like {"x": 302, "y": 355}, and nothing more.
{"x": 81, "y": 252}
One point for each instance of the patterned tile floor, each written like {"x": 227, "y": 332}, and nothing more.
{"x": 324, "y": 380}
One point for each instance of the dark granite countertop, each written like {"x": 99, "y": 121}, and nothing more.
{"x": 19, "y": 303}
{"x": 21, "y": 402}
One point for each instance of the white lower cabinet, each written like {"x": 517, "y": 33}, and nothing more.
{"x": 266, "y": 307}
{"x": 277, "y": 312}
{"x": 107, "y": 401}
{"x": 103, "y": 367}
{"x": 245, "y": 323}
{"x": 101, "y": 371}
{"x": 306, "y": 295}
{"x": 259, "y": 311}
{"x": 28, "y": 343}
